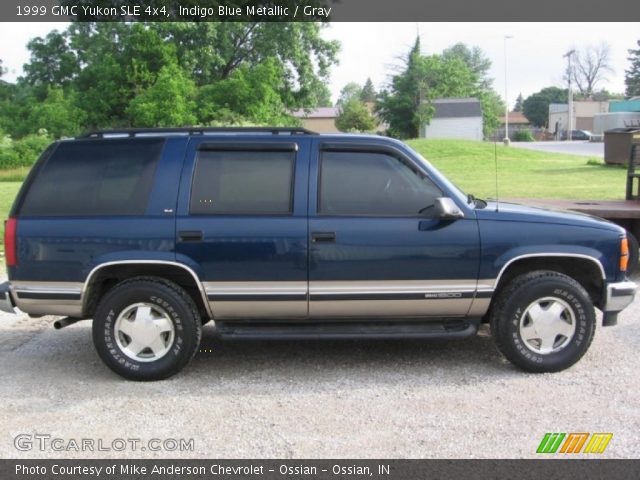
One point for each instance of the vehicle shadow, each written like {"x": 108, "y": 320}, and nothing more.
{"x": 238, "y": 367}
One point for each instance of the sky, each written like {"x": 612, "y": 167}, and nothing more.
{"x": 533, "y": 54}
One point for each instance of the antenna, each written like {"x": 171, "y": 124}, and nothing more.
{"x": 495, "y": 158}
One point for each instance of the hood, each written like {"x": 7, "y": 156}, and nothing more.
{"x": 513, "y": 212}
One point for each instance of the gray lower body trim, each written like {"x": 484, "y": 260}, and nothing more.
{"x": 347, "y": 299}
{"x": 48, "y": 298}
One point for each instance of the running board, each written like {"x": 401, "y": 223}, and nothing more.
{"x": 347, "y": 330}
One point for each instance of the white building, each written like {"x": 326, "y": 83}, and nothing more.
{"x": 455, "y": 118}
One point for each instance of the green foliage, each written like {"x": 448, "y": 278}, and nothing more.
{"x": 518, "y": 106}
{"x": 57, "y": 114}
{"x": 2, "y": 69}
{"x": 523, "y": 136}
{"x": 536, "y": 106}
{"x": 248, "y": 95}
{"x": 351, "y": 91}
{"x": 116, "y": 74}
{"x": 354, "y": 116}
{"x": 475, "y": 59}
{"x": 168, "y": 102}
{"x": 459, "y": 72}
{"x": 368, "y": 93}
{"x": 23, "y": 152}
{"x": 632, "y": 76}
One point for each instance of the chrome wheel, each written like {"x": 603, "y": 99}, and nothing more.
{"x": 144, "y": 332}
{"x": 547, "y": 325}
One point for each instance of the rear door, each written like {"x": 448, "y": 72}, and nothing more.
{"x": 242, "y": 224}
{"x": 375, "y": 251}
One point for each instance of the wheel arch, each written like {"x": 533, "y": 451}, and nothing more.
{"x": 108, "y": 274}
{"x": 586, "y": 270}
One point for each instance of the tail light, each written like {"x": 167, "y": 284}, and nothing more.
{"x": 10, "y": 227}
{"x": 624, "y": 254}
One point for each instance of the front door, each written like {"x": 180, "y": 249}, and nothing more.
{"x": 242, "y": 222}
{"x": 375, "y": 251}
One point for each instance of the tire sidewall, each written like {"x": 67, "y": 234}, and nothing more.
{"x": 547, "y": 287}
{"x": 104, "y": 334}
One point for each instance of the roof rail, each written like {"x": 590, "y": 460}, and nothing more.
{"x": 132, "y": 132}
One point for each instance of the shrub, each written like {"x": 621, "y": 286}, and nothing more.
{"x": 523, "y": 136}
{"x": 23, "y": 152}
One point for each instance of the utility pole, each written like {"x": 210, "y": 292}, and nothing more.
{"x": 568, "y": 56}
{"x": 506, "y": 94}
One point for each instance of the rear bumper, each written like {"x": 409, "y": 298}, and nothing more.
{"x": 6, "y": 302}
{"x": 619, "y": 296}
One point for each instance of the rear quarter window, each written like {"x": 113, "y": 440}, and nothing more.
{"x": 95, "y": 178}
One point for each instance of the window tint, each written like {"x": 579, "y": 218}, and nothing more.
{"x": 242, "y": 183}
{"x": 95, "y": 177}
{"x": 353, "y": 183}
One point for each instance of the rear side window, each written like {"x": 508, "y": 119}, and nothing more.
{"x": 373, "y": 184}
{"x": 243, "y": 183}
{"x": 95, "y": 178}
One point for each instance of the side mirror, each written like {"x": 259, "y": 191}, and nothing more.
{"x": 446, "y": 208}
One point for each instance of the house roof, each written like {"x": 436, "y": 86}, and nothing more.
{"x": 321, "y": 112}
{"x": 457, "y": 108}
{"x": 515, "y": 118}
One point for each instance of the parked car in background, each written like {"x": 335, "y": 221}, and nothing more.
{"x": 279, "y": 233}
{"x": 579, "y": 135}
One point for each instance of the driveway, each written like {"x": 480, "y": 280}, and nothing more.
{"x": 586, "y": 149}
{"x": 350, "y": 399}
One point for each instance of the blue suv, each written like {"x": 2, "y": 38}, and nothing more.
{"x": 283, "y": 233}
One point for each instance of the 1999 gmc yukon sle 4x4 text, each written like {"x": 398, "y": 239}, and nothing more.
{"x": 282, "y": 233}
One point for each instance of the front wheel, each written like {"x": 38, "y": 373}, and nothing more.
{"x": 543, "y": 321}
{"x": 146, "y": 328}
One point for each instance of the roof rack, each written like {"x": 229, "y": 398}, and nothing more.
{"x": 132, "y": 132}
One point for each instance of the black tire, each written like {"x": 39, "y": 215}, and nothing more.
{"x": 174, "y": 301}
{"x": 510, "y": 308}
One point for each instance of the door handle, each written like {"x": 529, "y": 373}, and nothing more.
{"x": 190, "y": 235}
{"x": 326, "y": 237}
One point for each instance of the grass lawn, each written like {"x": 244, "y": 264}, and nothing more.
{"x": 8, "y": 191}
{"x": 522, "y": 173}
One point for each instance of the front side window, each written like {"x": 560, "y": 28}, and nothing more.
{"x": 243, "y": 183}
{"x": 373, "y": 184}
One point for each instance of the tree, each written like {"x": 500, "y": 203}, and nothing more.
{"x": 406, "y": 104}
{"x": 589, "y": 67}
{"x": 368, "y": 93}
{"x": 304, "y": 56}
{"x": 518, "y": 106}
{"x": 168, "y": 102}
{"x": 355, "y": 116}
{"x": 57, "y": 114}
{"x": 249, "y": 95}
{"x": 351, "y": 91}
{"x": 475, "y": 59}
{"x": 536, "y": 106}
{"x": 632, "y": 76}
{"x": 2, "y": 69}
{"x": 53, "y": 61}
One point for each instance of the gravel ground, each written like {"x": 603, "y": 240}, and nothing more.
{"x": 348, "y": 399}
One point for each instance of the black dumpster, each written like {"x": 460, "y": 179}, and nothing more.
{"x": 617, "y": 144}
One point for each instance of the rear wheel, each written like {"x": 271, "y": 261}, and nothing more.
{"x": 543, "y": 321}
{"x": 146, "y": 328}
